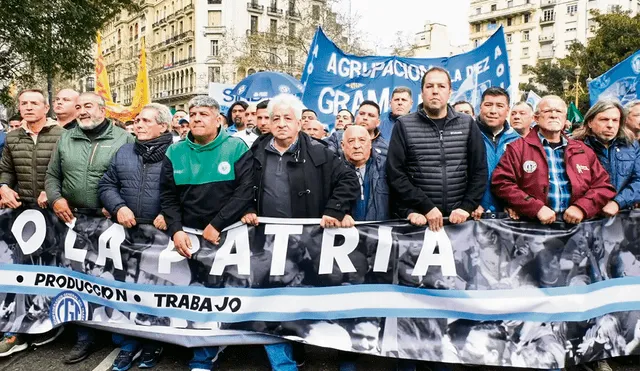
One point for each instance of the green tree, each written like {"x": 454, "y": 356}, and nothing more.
{"x": 617, "y": 36}
{"x": 52, "y": 38}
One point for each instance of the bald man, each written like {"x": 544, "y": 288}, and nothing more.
{"x": 64, "y": 105}
{"x": 373, "y": 203}
{"x": 314, "y": 129}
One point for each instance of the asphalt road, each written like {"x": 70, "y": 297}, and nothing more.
{"x": 236, "y": 358}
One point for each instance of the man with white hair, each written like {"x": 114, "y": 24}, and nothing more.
{"x": 130, "y": 191}
{"x": 298, "y": 177}
{"x": 632, "y": 110}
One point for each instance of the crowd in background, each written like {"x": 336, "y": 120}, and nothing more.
{"x": 206, "y": 169}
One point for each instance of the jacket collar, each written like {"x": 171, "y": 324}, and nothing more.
{"x": 451, "y": 114}
{"x": 534, "y": 140}
{"x": 222, "y": 137}
{"x": 307, "y": 148}
{"x": 48, "y": 123}
{"x": 77, "y": 133}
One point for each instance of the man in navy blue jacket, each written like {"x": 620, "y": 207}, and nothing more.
{"x": 618, "y": 151}
{"x": 130, "y": 191}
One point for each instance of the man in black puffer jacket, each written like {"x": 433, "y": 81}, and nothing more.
{"x": 436, "y": 164}
{"x": 130, "y": 191}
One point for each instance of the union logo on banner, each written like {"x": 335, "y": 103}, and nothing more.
{"x": 67, "y": 306}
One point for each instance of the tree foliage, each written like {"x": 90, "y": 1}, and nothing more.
{"x": 51, "y": 38}
{"x": 617, "y": 36}
{"x": 269, "y": 50}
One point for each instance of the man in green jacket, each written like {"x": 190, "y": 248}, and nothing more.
{"x": 206, "y": 183}
{"x": 83, "y": 156}
{"x": 23, "y": 167}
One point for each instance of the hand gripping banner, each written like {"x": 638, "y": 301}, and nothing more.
{"x": 494, "y": 292}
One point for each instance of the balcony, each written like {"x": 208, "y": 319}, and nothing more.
{"x": 214, "y": 2}
{"x": 547, "y": 3}
{"x": 545, "y": 55}
{"x": 161, "y": 21}
{"x": 502, "y": 13}
{"x": 547, "y": 20}
{"x": 546, "y": 38}
{"x": 215, "y": 30}
{"x": 188, "y": 9}
{"x": 254, "y": 7}
{"x": 170, "y": 17}
{"x": 293, "y": 14}
{"x": 274, "y": 12}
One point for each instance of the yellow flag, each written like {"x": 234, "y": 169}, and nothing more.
{"x": 141, "y": 95}
{"x": 102, "y": 80}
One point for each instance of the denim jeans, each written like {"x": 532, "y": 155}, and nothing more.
{"x": 281, "y": 357}
{"x": 204, "y": 357}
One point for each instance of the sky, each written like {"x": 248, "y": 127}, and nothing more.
{"x": 380, "y": 20}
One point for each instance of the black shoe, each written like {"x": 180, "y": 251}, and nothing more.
{"x": 150, "y": 356}
{"x": 47, "y": 337}
{"x": 79, "y": 352}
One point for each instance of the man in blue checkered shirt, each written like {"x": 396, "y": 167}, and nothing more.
{"x": 545, "y": 173}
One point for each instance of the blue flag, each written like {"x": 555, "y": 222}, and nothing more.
{"x": 620, "y": 82}
{"x": 334, "y": 80}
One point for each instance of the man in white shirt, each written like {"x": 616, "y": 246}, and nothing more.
{"x": 247, "y": 134}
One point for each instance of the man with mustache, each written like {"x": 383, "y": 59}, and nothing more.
{"x": 546, "y": 173}
{"x": 437, "y": 165}
{"x": 83, "y": 155}
{"x": 235, "y": 115}
{"x": 618, "y": 151}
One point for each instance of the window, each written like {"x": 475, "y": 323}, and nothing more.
{"x": 509, "y": 21}
{"x": 478, "y": 27}
{"x": 315, "y": 12}
{"x": 476, "y": 43}
{"x": 509, "y": 3}
{"x": 292, "y": 57}
{"x": 292, "y": 30}
{"x": 215, "y": 48}
{"x": 273, "y": 55}
{"x": 494, "y": 7}
{"x": 214, "y": 74}
{"x": 252, "y": 50}
{"x": 173, "y": 58}
{"x": 478, "y": 11}
{"x": 525, "y": 35}
{"x": 572, "y": 9}
{"x": 274, "y": 4}
{"x": 273, "y": 26}
{"x": 525, "y": 68}
{"x": 181, "y": 28}
{"x": 509, "y": 38}
{"x": 547, "y": 15}
{"x": 292, "y": 6}
{"x": 526, "y": 18}
{"x": 492, "y": 26}
{"x": 525, "y": 52}
{"x": 215, "y": 18}
{"x": 254, "y": 24}
{"x": 190, "y": 51}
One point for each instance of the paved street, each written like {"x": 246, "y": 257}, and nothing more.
{"x": 246, "y": 358}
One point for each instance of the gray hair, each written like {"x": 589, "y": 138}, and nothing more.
{"x": 286, "y": 101}
{"x": 163, "y": 115}
{"x": 95, "y": 98}
{"x": 630, "y": 105}
{"x": 204, "y": 101}
{"x": 603, "y": 105}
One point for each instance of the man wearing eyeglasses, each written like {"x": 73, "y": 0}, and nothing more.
{"x": 546, "y": 173}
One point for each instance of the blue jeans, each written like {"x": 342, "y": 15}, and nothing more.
{"x": 124, "y": 342}
{"x": 281, "y": 357}
{"x": 85, "y": 334}
{"x": 204, "y": 357}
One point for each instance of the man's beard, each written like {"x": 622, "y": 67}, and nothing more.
{"x": 94, "y": 124}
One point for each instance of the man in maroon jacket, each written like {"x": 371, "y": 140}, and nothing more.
{"x": 546, "y": 173}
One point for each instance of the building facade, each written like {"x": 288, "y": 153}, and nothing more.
{"x": 538, "y": 29}
{"x": 191, "y": 43}
{"x": 433, "y": 41}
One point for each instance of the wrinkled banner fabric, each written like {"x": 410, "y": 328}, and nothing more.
{"x": 495, "y": 292}
{"x": 335, "y": 80}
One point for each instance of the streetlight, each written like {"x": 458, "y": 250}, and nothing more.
{"x": 577, "y": 89}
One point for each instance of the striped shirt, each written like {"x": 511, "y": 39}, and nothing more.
{"x": 559, "y": 186}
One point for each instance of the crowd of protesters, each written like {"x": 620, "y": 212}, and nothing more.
{"x": 205, "y": 169}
